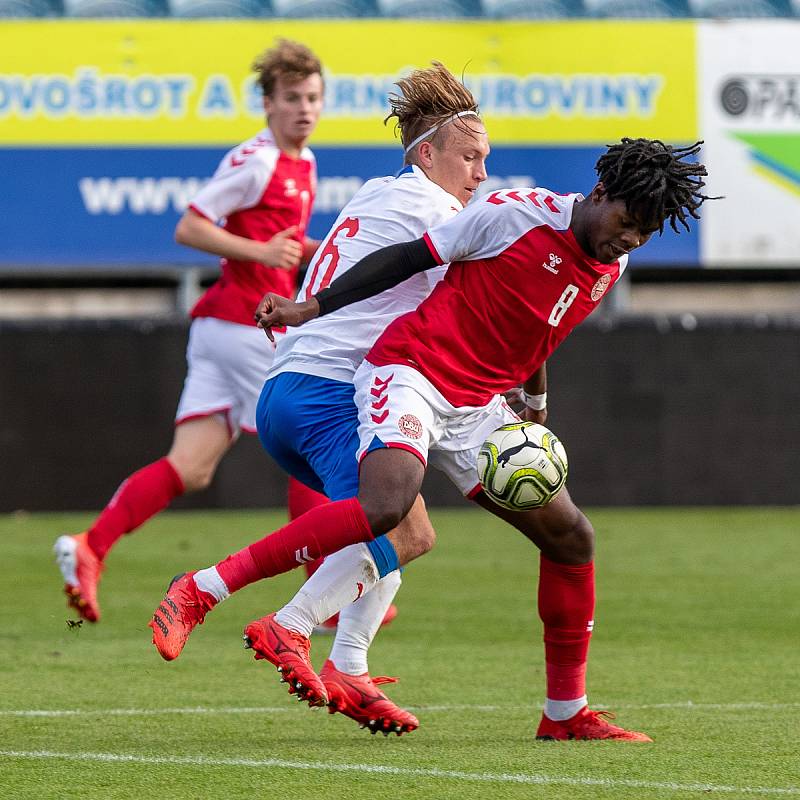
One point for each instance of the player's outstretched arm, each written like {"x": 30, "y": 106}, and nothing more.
{"x": 376, "y": 272}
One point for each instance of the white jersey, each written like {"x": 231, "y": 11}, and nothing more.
{"x": 384, "y": 211}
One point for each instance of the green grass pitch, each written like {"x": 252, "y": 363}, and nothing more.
{"x": 697, "y": 642}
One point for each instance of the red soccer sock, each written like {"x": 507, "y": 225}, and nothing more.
{"x": 139, "y": 497}
{"x": 239, "y": 570}
{"x": 321, "y": 531}
{"x": 566, "y": 607}
{"x": 301, "y": 499}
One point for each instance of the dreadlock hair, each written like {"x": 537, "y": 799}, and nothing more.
{"x": 428, "y": 97}
{"x": 654, "y": 181}
{"x": 289, "y": 60}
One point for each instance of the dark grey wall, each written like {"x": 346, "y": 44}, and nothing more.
{"x": 650, "y": 413}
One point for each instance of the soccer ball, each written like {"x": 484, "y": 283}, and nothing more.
{"x": 522, "y": 465}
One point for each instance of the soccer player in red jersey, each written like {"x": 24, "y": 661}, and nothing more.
{"x": 263, "y": 189}
{"x": 526, "y": 266}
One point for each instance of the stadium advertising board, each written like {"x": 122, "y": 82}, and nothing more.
{"x": 111, "y": 127}
{"x": 751, "y": 122}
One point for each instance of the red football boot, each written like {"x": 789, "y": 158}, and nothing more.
{"x": 587, "y": 724}
{"x": 357, "y": 697}
{"x": 289, "y": 651}
{"x": 330, "y": 624}
{"x": 184, "y": 607}
{"x": 81, "y": 570}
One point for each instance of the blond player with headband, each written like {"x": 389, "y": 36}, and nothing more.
{"x": 307, "y": 419}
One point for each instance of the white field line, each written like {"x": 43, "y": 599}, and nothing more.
{"x": 140, "y": 712}
{"x": 376, "y": 769}
{"x": 687, "y": 705}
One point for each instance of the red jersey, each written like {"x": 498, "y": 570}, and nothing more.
{"x": 258, "y": 190}
{"x": 517, "y": 284}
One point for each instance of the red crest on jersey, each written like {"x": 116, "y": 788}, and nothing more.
{"x": 410, "y": 426}
{"x": 598, "y": 290}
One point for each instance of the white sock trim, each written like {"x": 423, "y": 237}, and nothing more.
{"x": 559, "y": 710}
{"x": 210, "y": 581}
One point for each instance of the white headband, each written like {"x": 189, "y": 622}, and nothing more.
{"x": 436, "y": 128}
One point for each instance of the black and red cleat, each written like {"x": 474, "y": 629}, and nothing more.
{"x": 289, "y": 651}
{"x": 184, "y": 607}
{"x": 357, "y": 697}
{"x": 587, "y": 724}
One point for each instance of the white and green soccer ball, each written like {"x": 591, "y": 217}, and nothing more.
{"x": 522, "y": 465}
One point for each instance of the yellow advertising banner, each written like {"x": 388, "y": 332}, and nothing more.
{"x": 172, "y": 82}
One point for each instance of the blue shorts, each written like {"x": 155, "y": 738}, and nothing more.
{"x": 309, "y": 425}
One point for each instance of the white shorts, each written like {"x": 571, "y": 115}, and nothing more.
{"x": 228, "y": 363}
{"x": 400, "y": 407}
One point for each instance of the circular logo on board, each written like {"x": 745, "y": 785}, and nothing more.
{"x": 598, "y": 290}
{"x": 734, "y": 97}
{"x": 410, "y": 426}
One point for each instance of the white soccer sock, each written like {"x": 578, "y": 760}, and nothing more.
{"x": 210, "y": 581}
{"x": 559, "y": 710}
{"x": 358, "y": 624}
{"x": 342, "y": 577}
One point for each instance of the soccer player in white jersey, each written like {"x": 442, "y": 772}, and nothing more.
{"x": 438, "y": 372}
{"x": 262, "y": 190}
{"x": 306, "y": 416}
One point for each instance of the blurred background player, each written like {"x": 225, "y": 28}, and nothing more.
{"x": 438, "y": 373}
{"x": 262, "y": 191}
{"x": 306, "y": 416}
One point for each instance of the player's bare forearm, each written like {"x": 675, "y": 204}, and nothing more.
{"x": 537, "y": 383}
{"x": 275, "y": 311}
{"x": 282, "y": 250}
{"x": 202, "y": 234}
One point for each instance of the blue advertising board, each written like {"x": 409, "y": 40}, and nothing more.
{"x": 117, "y": 207}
